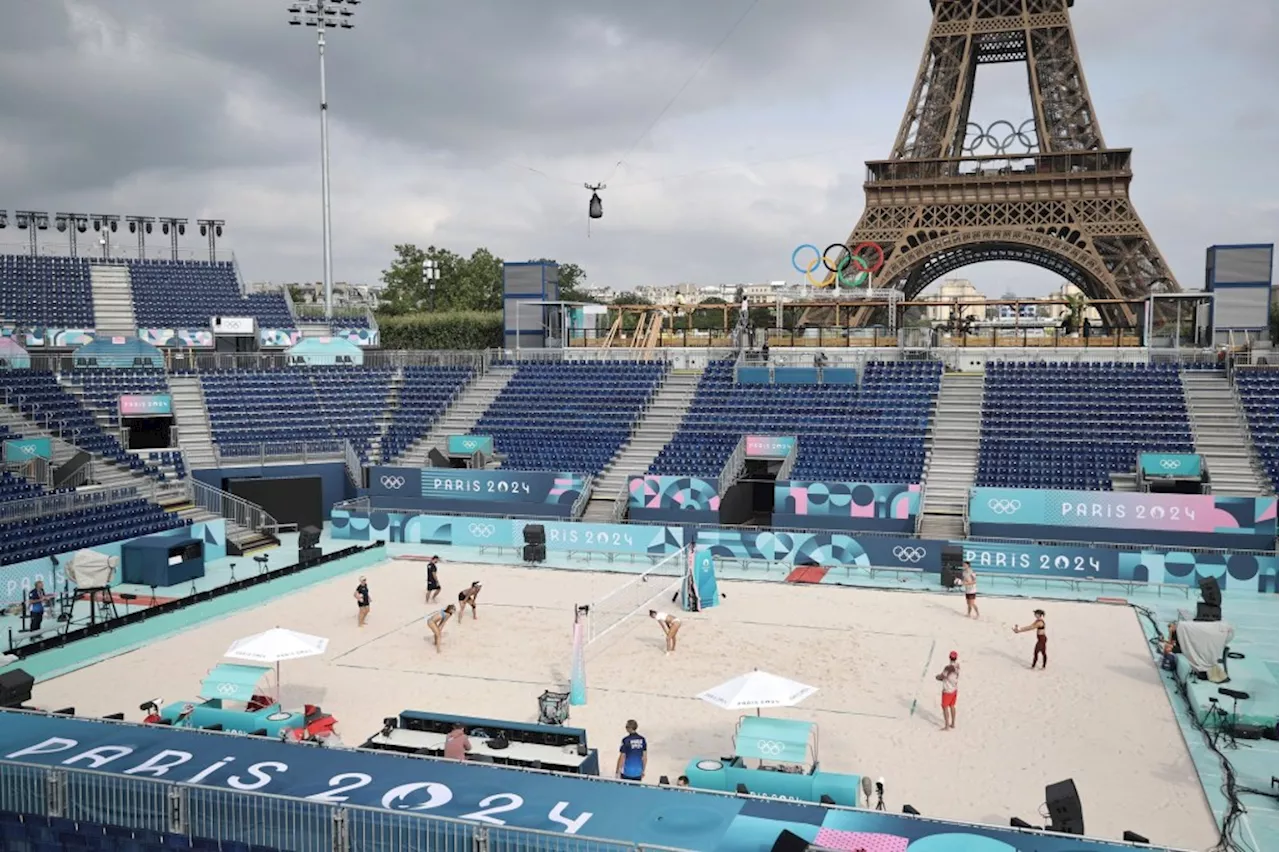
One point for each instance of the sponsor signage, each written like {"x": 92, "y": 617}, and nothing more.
{"x": 474, "y": 491}
{"x": 146, "y": 405}
{"x": 770, "y": 446}
{"x": 465, "y": 445}
{"x": 22, "y": 450}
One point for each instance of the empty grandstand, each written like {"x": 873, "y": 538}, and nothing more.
{"x": 1259, "y": 390}
{"x": 46, "y": 291}
{"x": 188, "y": 294}
{"x": 44, "y": 400}
{"x": 77, "y": 527}
{"x": 424, "y": 395}
{"x": 872, "y": 433}
{"x": 569, "y": 416}
{"x": 1073, "y": 425}
{"x": 101, "y": 388}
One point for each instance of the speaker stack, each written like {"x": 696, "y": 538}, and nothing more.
{"x": 308, "y": 544}
{"x": 1210, "y": 606}
{"x": 15, "y": 688}
{"x": 1063, "y": 802}
{"x": 535, "y": 543}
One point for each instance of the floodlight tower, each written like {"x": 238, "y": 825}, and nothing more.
{"x": 141, "y": 225}
{"x": 105, "y": 224}
{"x": 32, "y": 221}
{"x": 173, "y": 228}
{"x": 211, "y": 228}
{"x": 71, "y": 224}
{"x": 324, "y": 15}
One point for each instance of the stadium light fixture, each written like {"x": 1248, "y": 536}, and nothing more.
{"x": 71, "y": 224}
{"x": 324, "y": 15}
{"x": 173, "y": 228}
{"x": 106, "y": 224}
{"x": 4, "y": 219}
{"x": 431, "y": 274}
{"x": 212, "y": 229}
{"x": 31, "y": 221}
{"x": 140, "y": 225}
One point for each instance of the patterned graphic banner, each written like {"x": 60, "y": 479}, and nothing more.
{"x": 177, "y": 337}
{"x": 1170, "y": 464}
{"x": 24, "y": 450}
{"x": 452, "y": 530}
{"x": 770, "y": 446}
{"x": 482, "y": 491}
{"x": 278, "y": 338}
{"x": 1203, "y": 520}
{"x": 465, "y": 445}
{"x": 882, "y": 551}
{"x": 846, "y": 505}
{"x": 363, "y": 337}
{"x": 688, "y": 499}
{"x": 146, "y": 405}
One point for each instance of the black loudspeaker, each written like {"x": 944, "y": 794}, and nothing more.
{"x": 308, "y": 537}
{"x": 789, "y": 842}
{"x": 435, "y": 458}
{"x": 535, "y": 534}
{"x": 1210, "y": 591}
{"x": 1065, "y": 815}
{"x": 535, "y": 553}
{"x": 1208, "y": 612}
{"x": 309, "y": 554}
{"x": 15, "y": 688}
{"x": 951, "y": 575}
{"x": 952, "y": 565}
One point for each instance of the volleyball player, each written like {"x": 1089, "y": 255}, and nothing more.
{"x": 467, "y": 598}
{"x": 362, "y": 601}
{"x": 670, "y": 627}
{"x": 436, "y": 621}
{"x": 433, "y": 579}
{"x": 1042, "y": 640}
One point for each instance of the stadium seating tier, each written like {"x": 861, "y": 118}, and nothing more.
{"x": 1260, "y": 396}
{"x": 46, "y": 291}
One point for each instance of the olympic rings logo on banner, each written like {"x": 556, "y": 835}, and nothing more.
{"x": 393, "y": 483}
{"x": 908, "y": 554}
{"x": 1004, "y": 507}
{"x": 995, "y": 138}
{"x": 772, "y": 748}
{"x": 227, "y": 689}
{"x": 470, "y": 444}
{"x": 28, "y": 450}
{"x": 1170, "y": 464}
{"x": 481, "y": 530}
{"x": 837, "y": 264}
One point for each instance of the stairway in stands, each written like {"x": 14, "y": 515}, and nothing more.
{"x": 657, "y": 427}
{"x": 953, "y": 455}
{"x": 112, "y": 300}
{"x": 191, "y": 418}
{"x": 461, "y": 417}
{"x": 1221, "y": 434}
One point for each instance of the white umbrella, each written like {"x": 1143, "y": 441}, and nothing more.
{"x": 275, "y": 645}
{"x": 757, "y": 689}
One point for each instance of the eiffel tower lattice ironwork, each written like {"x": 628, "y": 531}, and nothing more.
{"x": 954, "y": 193}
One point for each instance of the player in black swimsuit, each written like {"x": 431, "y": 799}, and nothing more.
{"x": 467, "y": 597}
{"x": 362, "y": 601}
{"x": 1041, "y": 652}
{"x": 433, "y": 581}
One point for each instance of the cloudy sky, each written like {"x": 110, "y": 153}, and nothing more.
{"x": 476, "y": 123}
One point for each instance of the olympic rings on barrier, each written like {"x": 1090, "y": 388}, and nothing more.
{"x": 481, "y": 530}
{"x": 1000, "y": 137}
{"x": 836, "y": 269}
{"x": 1170, "y": 464}
{"x": 392, "y": 483}
{"x": 1004, "y": 507}
{"x": 908, "y": 554}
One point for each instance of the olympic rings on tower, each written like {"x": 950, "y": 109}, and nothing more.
{"x": 837, "y": 264}
{"x": 999, "y": 138}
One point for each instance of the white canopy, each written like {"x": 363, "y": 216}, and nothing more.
{"x": 275, "y": 645}
{"x": 755, "y": 690}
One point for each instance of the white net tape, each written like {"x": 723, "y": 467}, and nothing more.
{"x": 651, "y": 590}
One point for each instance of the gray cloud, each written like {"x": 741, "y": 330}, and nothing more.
{"x": 476, "y": 123}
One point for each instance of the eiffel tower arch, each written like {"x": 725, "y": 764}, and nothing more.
{"x": 1047, "y": 192}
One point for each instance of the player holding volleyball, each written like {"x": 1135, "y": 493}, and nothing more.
{"x": 670, "y": 627}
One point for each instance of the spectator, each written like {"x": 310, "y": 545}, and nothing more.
{"x": 457, "y": 743}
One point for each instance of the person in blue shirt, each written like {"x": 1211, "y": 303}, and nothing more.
{"x": 37, "y": 598}
{"x": 633, "y": 756}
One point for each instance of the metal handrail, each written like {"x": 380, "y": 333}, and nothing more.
{"x": 233, "y": 453}
{"x": 789, "y": 463}
{"x": 235, "y": 265}
{"x": 355, "y": 470}
{"x": 53, "y": 504}
{"x": 288, "y": 300}
{"x": 733, "y": 467}
{"x": 621, "y": 502}
{"x": 239, "y": 511}
{"x": 584, "y": 497}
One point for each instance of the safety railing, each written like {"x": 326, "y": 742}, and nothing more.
{"x": 733, "y": 468}
{"x": 355, "y": 504}
{"x": 263, "y": 819}
{"x": 620, "y": 503}
{"x": 302, "y": 451}
{"x": 235, "y": 266}
{"x": 288, "y": 300}
{"x": 355, "y": 470}
{"x": 237, "y": 510}
{"x": 584, "y": 497}
{"x": 788, "y": 463}
{"x": 54, "y": 504}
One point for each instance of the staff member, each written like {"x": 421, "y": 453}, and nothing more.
{"x": 433, "y": 580}
{"x": 37, "y": 598}
{"x": 362, "y": 601}
{"x": 633, "y": 754}
{"x": 457, "y": 743}
{"x": 950, "y": 678}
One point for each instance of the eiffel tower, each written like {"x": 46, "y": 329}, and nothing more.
{"x": 1048, "y": 192}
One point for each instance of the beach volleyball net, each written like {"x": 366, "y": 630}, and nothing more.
{"x": 651, "y": 590}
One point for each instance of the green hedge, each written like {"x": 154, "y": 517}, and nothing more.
{"x": 460, "y": 330}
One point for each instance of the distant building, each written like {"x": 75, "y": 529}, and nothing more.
{"x": 1068, "y": 291}
{"x": 961, "y": 293}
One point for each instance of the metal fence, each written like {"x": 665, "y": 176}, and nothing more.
{"x": 260, "y": 819}
{"x": 247, "y": 515}
{"x": 52, "y": 504}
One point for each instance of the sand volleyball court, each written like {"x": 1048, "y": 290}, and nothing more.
{"x": 1098, "y": 714}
